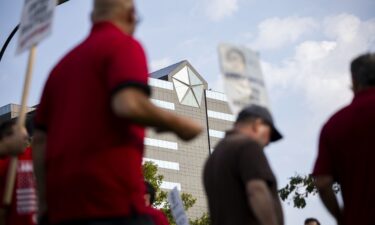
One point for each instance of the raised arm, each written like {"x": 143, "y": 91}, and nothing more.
{"x": 133, "y": 104}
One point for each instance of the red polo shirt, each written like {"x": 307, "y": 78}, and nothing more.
{"x": 23, "y": 209}
{"x": 347, "y": 152}
{"x": 93, "y": 157}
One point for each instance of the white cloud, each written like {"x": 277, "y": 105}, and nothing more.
{"x": 313, "y": 51}
{"x": 159, "y": 64}
{"x": 277, "y": 32}
{"x": 350, "y": 30}
{"x": 319, "y": 70}
{"x": 216, "y": 10}
{"x": 343, "y": 27}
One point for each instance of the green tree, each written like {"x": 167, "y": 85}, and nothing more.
{"x": 150, "y": 171}
{"x": 203, "y": 220}
{"x": 299, "y": 189}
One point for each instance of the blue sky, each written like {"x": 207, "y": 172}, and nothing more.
{"x": 305, "y": 46}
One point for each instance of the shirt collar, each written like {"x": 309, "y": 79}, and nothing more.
{"x": 364, "y": 93}
{"x": 103, "y": 25}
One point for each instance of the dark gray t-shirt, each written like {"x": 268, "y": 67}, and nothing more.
{"x": 235, "y": 161}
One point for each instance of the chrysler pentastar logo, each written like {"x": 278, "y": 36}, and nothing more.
{"x": 189, "y": 87}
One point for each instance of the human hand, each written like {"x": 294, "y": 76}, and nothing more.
{"x": 188, "y": 129}
{"x": 159, "y": 130}
{"x": 16, "y": 143}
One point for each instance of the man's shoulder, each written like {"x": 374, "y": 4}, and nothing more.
{"x": 106, "y": 43}
{"x": 114, "y": 37}
{"x": 105, "y": 38}
{"x": 240, "y": 141}
{"x": 236, "y": 144}
{"x": 338, "y": 117}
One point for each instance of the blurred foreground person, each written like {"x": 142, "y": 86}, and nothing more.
{"x": 23, "y": 208}
{"x": 347, "y": 151}
{"x": 89, "y": 138}
{"x": 240, "y": 185}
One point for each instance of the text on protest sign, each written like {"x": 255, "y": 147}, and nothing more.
{"x": 36, "y": 23}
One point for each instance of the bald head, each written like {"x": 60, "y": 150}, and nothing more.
{"x": 120, "y": 12}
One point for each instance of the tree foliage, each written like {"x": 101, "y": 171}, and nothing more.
{"x": 203, "y": 220}
{"x": 150, "y": 171}
{"x": 299, "y": 189}
{"x": 296, "y": 192}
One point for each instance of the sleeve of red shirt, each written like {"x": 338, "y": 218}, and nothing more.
{"x": 41, "y": 115}
{"x": 323, "y": 164}
{"x": 128, "y": 67}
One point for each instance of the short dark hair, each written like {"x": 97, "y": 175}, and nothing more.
{"x": 363, "y": 70}
{"x": 6, "y": 129}
{"x": 309, "y": 220}
{"x": 246, "y": 119}
{"x": 151, "y": 191}
{"x": 249, "y": 119}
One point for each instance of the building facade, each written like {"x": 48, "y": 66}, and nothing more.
{"x": 179, "y": 88}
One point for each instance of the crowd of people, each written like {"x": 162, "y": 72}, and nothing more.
{"x": 83, "y": 165}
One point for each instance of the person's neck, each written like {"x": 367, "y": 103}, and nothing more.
{"x": 120, "y": 25}
{"x": 123, "y": 27}
{"x": 360, "y": 90}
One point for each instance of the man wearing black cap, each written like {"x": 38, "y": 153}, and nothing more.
{"x": 238, "y": 180}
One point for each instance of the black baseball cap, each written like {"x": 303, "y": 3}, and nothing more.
{"x": 262, "y": 113}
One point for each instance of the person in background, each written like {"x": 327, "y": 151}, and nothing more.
{"x": 312, "y": 221}
{"x": 346, "y": 152}
{"x": 157, "y": 215}
{"x": 23, "y": 208}
{"x": 90, "y": 124}
{"x": 239, "y": 183}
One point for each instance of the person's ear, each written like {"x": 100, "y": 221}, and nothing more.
{"x": 131, "y": 18}
{"x": 355, "y": 86}
{"x": 257, "y": 123}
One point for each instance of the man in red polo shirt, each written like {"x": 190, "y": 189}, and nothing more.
{"x": 347, "y": 151}
{"x": 88, "y": 143}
